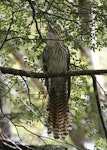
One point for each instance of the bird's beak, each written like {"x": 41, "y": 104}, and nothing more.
{"x": 49, "y": 28}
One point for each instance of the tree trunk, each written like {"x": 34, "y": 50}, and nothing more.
{"x": 5, "y": 129}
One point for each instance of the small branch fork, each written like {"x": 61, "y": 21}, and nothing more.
{"x": 91, "y": 73}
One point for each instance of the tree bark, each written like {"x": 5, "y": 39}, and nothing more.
{"x": 5, "y": 129}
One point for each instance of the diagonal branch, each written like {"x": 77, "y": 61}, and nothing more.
{"x": 99, "y": 105}
{"x": 34, "y": 18}
{"x": 9, "y": 28}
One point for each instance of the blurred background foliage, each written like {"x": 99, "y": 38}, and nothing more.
{"x": 82, "y": 25}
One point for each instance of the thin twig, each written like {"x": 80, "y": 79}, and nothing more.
{"x": 105, "y": 92}
{"x": 9, "y": 88}
{"x": 34, "y": 18}
{"x": 9, "y": 28}
{"x": 12, "y": 145}
{"x": 29, "y": 107}
{"x": 39, "y": 136}
{"x": 98, "y": 104}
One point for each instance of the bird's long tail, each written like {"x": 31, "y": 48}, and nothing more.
{"x": 58, "y": 112}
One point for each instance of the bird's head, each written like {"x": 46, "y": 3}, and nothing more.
{"x": 52, "y": 35}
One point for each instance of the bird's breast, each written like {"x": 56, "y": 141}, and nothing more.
{"x": 57, "y": 61}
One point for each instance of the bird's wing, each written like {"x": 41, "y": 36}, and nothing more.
{"x": 44, "y": 59}
{"x": 44, "y": 62}
{"x": 68, "y": 68}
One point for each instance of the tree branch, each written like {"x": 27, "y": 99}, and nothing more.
{"x": 19, "y": 57}
{"x": 31, "y": 74}
{"x": 99, "y": 105}
{"x": 34, "y": 18}
{"x": 8, "y": 31}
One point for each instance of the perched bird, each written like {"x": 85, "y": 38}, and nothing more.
{"x": 56, "y": 59}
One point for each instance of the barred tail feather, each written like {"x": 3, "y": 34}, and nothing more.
{"x": 58, "y": 113}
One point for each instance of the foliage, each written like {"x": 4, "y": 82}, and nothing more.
{"x": 25, "y": 23}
